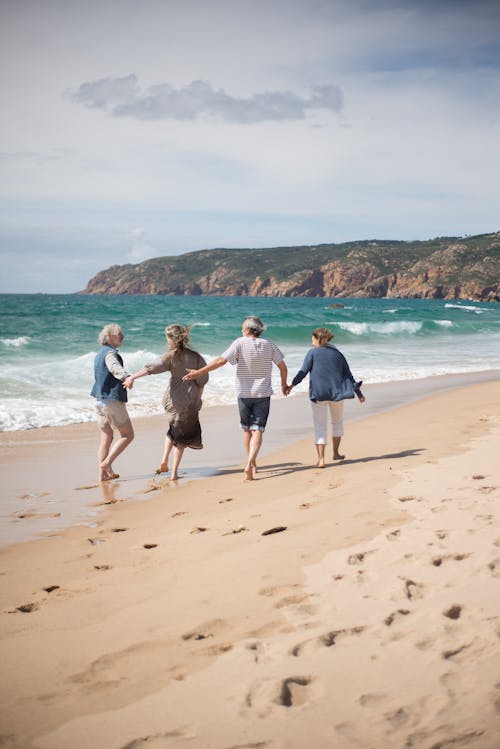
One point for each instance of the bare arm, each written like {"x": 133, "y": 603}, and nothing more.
{"x": 192, "y": 374}
{"x": 284, "y": 373}
{"x": 129, "y": 382}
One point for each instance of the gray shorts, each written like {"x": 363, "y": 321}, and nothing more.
{"x": 254, "y": 413}
{"x": 113, "y": 414}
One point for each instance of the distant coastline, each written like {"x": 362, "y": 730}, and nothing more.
{"x": 441, "y": 268}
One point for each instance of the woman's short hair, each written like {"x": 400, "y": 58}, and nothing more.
{"x": 254, "y": 325}
{"x": 179, "y": 335}
{"x": 112, "y": 329}
{"x": 322, "y": 335}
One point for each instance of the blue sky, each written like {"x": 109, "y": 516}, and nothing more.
{"x": 138, "y": 129}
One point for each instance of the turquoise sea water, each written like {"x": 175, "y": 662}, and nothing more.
{"x": 48, "y": 343}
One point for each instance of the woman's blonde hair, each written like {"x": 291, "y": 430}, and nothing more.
{"x": 112, "y": 329}
{"x": 322, "y": 335}
{"x": 179, "y": 335}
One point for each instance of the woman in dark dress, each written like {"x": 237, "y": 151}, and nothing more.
{"x": 181, "y": 400}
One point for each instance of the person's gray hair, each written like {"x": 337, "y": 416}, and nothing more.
{"x": 108, "y": 330}
{"x": 179, "y": 335}
{"x": 254, "y": 325}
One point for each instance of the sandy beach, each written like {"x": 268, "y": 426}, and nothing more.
{"x": 168, "y": 615}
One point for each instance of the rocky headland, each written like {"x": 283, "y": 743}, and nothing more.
{"x": 441, "y": 268}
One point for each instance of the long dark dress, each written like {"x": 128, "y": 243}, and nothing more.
{"x": 182, "y": 400}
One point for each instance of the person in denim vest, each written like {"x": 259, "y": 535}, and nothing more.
{"x": 111, "y": 400}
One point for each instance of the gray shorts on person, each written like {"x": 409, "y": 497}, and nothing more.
{"x": 254, "y": 413}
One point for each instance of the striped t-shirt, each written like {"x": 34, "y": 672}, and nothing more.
{"x": 254, "y": 359}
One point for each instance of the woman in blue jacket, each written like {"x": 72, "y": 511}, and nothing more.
{"x": 330, "y": 383}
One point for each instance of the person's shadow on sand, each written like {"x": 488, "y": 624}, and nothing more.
{"x": 282, "y": 469}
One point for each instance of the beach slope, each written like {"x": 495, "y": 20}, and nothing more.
{"x": 355, "y": 606}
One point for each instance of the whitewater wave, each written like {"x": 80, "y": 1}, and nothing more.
{"x": 16, "y": 342}
{"x": 443, "y": 323}
{"x": 384, "y": 328}
{"x": 468, "y": 307}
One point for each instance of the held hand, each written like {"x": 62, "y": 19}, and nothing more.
{"x": 362, "y": 398}
{"x": 286, "y": 389}
{"x": 191, "y": 374}
{"x": 128, "y": 383}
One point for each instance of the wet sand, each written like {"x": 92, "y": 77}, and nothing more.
{"x": 49, "y": 476}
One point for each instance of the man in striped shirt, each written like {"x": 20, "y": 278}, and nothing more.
{"x": 254, "y": 358}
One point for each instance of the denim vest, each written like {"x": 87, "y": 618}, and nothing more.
{"x": 107, "y": 387}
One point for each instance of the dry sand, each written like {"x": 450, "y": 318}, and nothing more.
{"x": 372, "y": 620}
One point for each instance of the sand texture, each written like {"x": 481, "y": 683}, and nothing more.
{"x": 369, "y": 618}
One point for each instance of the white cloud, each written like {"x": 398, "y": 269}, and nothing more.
{"x": 141, "y": 249}
{"x": 123, "y": 97}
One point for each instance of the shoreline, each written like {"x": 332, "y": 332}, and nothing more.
{"x": 43, "y": 495}
{"x": 177, "y": 623}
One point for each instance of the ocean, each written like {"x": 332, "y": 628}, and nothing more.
{"x": 48, "y": 344}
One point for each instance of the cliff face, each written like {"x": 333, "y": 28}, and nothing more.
{"x": 444, "y": 268}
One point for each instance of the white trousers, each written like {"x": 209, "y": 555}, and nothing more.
{"x": 320, "y": 411}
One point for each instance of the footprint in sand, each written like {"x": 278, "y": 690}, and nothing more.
{"x": 441, "y": 535}
{"x": 447, "y": 654}
{"x": 393, "y": 535}
{"x": 370, "y": 699}
{"x": 294, "y": 691}
{"x": 326, "y": 640}
{"x": 289, "y": 693}
{"x": 395, "y": 615}
{"x": 413, "y": 590}
{"x": 359, "y": 557}
{"x": 207, "y": 629}
{"x": 438, "y": 561}
{"x": 160, "y": 740}
{"x": 278, "y": 590}
{"x": 26, "y": 608}
{"x": 51, "y": 588}
{"x": 103, "y": 567}
{"x": 494, "y": 567}
{"x": 453, "y": 612}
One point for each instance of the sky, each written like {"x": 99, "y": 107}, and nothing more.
{"x": 132, "y": 130}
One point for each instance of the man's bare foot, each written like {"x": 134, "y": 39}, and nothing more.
{"x": 174, "y": 477}
{"x": 320, "y": 464}
{"x": 338, "y": 456}
{"x": 248, "y": 473}
{"x": 106, "y": 473}
{"x": 163, "y": 468}
{"x": 254, "y": 470}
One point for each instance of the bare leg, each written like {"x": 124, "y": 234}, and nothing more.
{"x": 320, "y": 449}
{"x": 178, "y": 453}
{"x": 254, "y": 447}
{"x": 102, "y": 453}
{"x": 126, "y": 437}
{"x": 166, "y": 454}
{"x": 336, "y": 445}
{"x": 247, "y": 438}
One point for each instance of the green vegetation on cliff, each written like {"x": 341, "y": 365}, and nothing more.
{"x": 445, "y": 267}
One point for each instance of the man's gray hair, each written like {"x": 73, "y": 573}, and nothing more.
{"x": 254, "y": 325}
{"x": 108, "y": 330}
